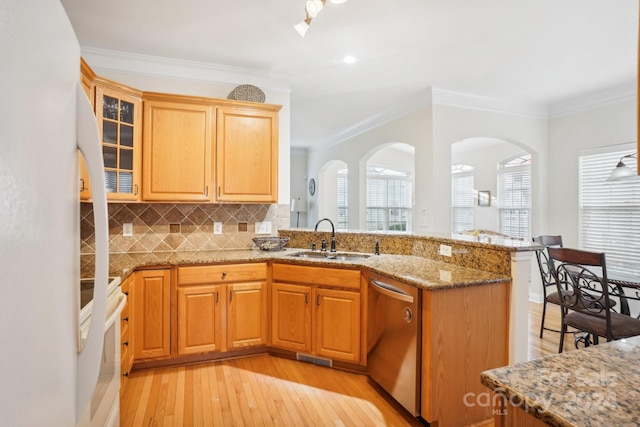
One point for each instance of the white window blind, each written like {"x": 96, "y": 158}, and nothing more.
{"x": 610, "y": 211}
{"x": 462, "y": 198}
{"x": 388, "y": 200}
{"x": 343, "y": 200}
{"x": 514, "y": 195}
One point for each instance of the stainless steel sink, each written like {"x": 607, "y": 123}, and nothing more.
{"x": 337, "y": 256}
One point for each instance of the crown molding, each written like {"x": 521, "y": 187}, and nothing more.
{"x": 612, "y": 95}
{"x": 493, "y": 105}
{"x": 147, "y": 65}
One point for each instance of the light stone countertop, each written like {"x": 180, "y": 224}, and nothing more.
{"x": 414, "y": 270}
{"x": 595, "y": 386}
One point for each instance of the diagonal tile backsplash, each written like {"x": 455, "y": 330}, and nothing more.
{"x": 180, "y": 226}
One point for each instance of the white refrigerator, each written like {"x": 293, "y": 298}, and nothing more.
{"x": 45, "y": 380}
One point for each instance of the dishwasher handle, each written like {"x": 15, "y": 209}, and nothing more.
{"x": 391, "y": 291}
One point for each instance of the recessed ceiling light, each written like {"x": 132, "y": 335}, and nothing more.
{"x": 350, "y": 59}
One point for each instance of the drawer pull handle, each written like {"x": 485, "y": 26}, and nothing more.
{"x": 306, "y": 297}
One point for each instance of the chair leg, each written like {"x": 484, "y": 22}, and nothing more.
{"x": 544, "y": 312}
{"x": 563, "y": 329}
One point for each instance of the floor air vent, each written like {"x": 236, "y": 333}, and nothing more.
{"x": 315, "y": 360}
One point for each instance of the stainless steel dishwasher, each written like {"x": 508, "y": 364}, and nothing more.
{"x": 393, "y": 339}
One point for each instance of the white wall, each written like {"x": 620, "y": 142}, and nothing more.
{"x": 432, "y": 130}
{"x": 412, "y": 129}
{"x": 609, "y": 124}
{"x": 299, "y": 183}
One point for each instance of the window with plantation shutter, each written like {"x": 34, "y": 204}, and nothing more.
{"x": 343, "y": 200}
{"x": 610, "y": 210}
{"x": 462, "y": 198}
{"x": 388, "y": 200}
{"x": 514, "y": 196}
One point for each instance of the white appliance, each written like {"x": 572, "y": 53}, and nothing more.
{"x": 104, "y": 408}
{"x": 44, "y": 117}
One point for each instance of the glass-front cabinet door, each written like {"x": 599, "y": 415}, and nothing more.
{"x": 119, "y": 122}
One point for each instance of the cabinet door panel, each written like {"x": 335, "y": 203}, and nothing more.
{"x": 291, "y": 317}
{"x": 151, "y": 317}
{"x": 199, "y": 319}
{"x": 119, "y": 121}
{"x": 246, "y": 155}
{"x": 247, "y": 316}
{"x": 177, "y": 151}
{"x": 338, "y": 324}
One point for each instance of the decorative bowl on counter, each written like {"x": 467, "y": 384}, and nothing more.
{"x": 270, "y": 243}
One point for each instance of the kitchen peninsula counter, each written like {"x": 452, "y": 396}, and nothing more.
{"x": 417, "y": 271}
{"x": 595, "y": 386}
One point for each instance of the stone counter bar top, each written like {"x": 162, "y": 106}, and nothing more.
{"x": 595, "y": 386}
{"x": 417, "y": 271}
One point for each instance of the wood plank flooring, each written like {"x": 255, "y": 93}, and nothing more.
{"x": 271, "y": 391}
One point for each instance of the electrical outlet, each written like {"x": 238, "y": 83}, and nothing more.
{"x": 127, "y": 229}
{"x": 263, "y": 227}
{"x": 445, "y": 250}
{"x": 217, "y": 227}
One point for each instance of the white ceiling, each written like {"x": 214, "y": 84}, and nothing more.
{"x": 529, "y": 52}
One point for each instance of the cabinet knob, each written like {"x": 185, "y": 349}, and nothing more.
{"x": 126, "y": 318}
{"x": 126, "y": 343}
{"x": 224, "y": 274}
{"x": 82, "y": 185}
{"x": 126, "y": 374}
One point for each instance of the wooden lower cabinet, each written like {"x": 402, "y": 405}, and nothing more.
{"x": 464, "y": 331}
{"x": 337, "y": 317}
{"x": 221, "y": 307}
{"x": 151, "y": 314}
{"x": 200, "y": 319}
{"x": 291, "y": 316}
{"x": 319, "y": 320}
{"x": 247, "y": 320}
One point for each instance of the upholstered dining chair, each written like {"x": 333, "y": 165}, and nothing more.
{"x": 549, "y": 289}
{"x": 587, "y": 305}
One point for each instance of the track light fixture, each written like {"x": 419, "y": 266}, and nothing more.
{"x": 312, "y": 8}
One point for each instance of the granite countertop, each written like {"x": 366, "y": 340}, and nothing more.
{"x": 417, "y": 271}
{"x": 595, "y": 386}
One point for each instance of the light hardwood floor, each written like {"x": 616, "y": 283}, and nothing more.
{"x": 271, "y": 391}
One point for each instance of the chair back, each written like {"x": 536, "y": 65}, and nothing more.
{"x": 545, "y": 266}
{"x": 583, "y": 274}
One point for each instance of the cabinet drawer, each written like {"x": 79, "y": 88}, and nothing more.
{"x": 225, "y": 273}
{"x": 340, "y": 278}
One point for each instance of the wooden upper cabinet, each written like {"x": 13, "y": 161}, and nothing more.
{"x": 87, "y": 77}
{"x": 119, "y": 116}
{"x": 177, "y": 151}
{"x": 247, "y": 154}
